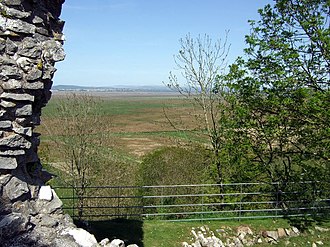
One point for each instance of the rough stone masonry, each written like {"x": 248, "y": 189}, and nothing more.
{"x": 30, "y": 44}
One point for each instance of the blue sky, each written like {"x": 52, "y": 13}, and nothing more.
{"x": 132, "y": 42}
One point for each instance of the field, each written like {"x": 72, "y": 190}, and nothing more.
{"x": 136, "y": 122}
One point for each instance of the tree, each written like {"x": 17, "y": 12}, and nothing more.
{"x": 200, "y": 62}
{"x": 282, "y": 87}
{"x": 80, "y": 135}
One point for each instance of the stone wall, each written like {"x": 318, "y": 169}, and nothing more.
{"x": 30, "y": 45}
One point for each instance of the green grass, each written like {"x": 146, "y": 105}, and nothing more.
{"x": 123, "y": 105}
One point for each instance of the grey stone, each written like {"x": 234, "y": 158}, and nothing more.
{"x": 47, "y": 221}
{"x": 117, "y": 243}
{"x": 281, "y": 232}
{"x": 4, "y": 60}
{"x": 49, "y": 71}
{"x": 288, "y": 232}
{"x": 13, "y": 2}
{"x": 14, "y": 13}
{"x": 17, "y": 97}
{"x": 2, "y": 44}
{"x": 321, "y": 229}
{"x": 37, "y": 20}
{"x": 24, "y": 110}
{"x": 2, "y": 113}
{"x": 65, "y": 242}
{"x": 33, "y": 74}
{"x": 15, "y": 141}
{"x": 24, "y": 208}
{"x": 104, "y": 242}
{"x": 48, "y": 207}
{"x": 11, "y": 84}
{"x": 12, "y": 224}
{"x": 10, "y": 72}
{"x": 42, "y": 31}
{"x": 8, "y": 163}
{"x": 55, "y": 203}
{"x": 30, "y": 48}
{"x": 10, "y": 152}
{"x": 5, "y": 124}
{"x": 16, "y": 188}
{"x": 82, "y": 237}
{"x": 17, "y": 25}
{"x": 11, "y": 47}
{"x": 33, "y": 85}
{"x": 22, "y": 130}
{"x": 238, "y": 242}
{"x": 53, "y": 51}
{"x": 295, "y": 230}
{"x": 272, "y": 234}
{"x": 4, "y": 179}
{"x": 24, "y": 63}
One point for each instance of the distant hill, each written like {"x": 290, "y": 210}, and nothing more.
{"x": 118, "y": 88}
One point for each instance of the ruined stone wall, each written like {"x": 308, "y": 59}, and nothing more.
{"x": 30, "y": 45}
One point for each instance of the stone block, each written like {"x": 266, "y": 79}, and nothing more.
{"x": 17, "y": 25}
{"x": 11, "y": 84}
{"x": 281, "y": 232}
{"x": 13, "y": 2}
{"x": 53, "y": 51}
{"x": 7, "y": 104}
{"x": 30, "y": 48}
{"x": 8, "y": 163}
{"x": 5, "y": 124}
{"x": 45, "y": 193}
{"x": 33, "y": 74}
{"x": 10, "y": 72}
{"x": 24, "y": 110}
{"x": 17, "y": 96}
{"x": 27, "y": 131}
{"x": 33, "y": 85}
{"x": 82, "y": 237}
{"x": 10, "y": 152}
{"x": 16, "y": 188}
{"x": 11, "y": 47}
{"x": 15, "y": 141}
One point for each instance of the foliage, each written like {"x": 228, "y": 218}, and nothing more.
{"x": 282, "y": 92}
{"x": 172, "y": 166}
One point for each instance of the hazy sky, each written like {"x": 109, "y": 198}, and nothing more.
{"x": 132, "y": 42}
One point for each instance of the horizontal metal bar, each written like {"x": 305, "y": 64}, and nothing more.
{"x": 102, "y": 197}
{"x": 238, "y": 217}
{"x": 204, "y": 195}
{"x": 214, "y": 212}
{"x": 194, "y": 185}
{"x": 111, "y": 215}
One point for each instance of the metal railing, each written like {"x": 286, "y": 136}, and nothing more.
{"x": 199, "y": 201}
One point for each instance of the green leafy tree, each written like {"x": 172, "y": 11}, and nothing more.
{"x": 282, "y": 90}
